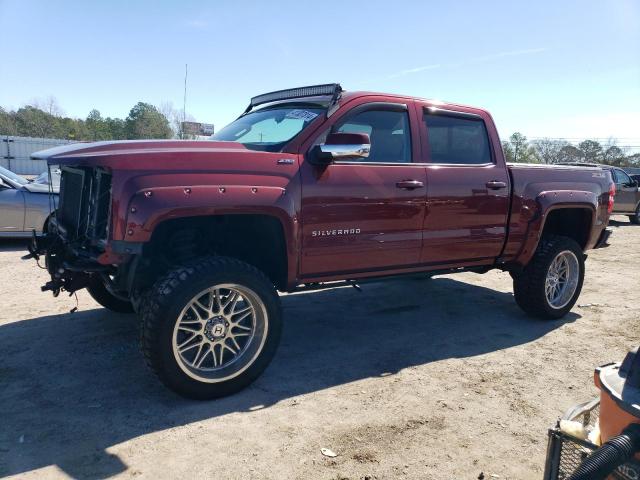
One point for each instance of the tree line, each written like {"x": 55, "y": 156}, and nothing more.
{"x": 45, "y": 120}
{"x": 546, "y": 150}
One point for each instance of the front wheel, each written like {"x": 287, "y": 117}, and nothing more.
{"x": 101, "y": 294}
{"x": 209, "y": 329}
{"x": 550, "y": 284}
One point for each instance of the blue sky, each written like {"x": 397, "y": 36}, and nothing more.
{"x": 546, "y": 68}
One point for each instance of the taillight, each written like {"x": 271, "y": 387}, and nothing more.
{"x": 612, "y": 195}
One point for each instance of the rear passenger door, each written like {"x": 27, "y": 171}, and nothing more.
{"x": 468, "y": 189}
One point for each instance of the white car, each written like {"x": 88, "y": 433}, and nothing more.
{"x": 24, "y": 206}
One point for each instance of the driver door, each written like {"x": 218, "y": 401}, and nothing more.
{"x": 366, "y": 214}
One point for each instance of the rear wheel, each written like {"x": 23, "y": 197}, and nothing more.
{"x": 550, "y": 284}
{"x": 104, "y": 297}
{"x": 636, "y": 217}
{"x": 211, "y": 328}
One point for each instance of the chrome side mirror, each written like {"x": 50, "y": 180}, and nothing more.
{"x": 344, "y": 146}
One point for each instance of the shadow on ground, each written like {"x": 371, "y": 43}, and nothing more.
{"x": 13, "y": 245}
{"x": 73, "y": 385}
{"x": 621, "y": 223}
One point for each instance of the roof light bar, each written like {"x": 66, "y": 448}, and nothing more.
{"x": 333, "y": 89}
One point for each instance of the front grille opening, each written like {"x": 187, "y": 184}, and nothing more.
{"x": 101, "y": 203}
{"x": 85, "y": 203}
{"x": 73, "y": 186}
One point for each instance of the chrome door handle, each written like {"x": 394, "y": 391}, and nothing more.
{"x": 496, "y": 185}
{"x": 409, "y": 184}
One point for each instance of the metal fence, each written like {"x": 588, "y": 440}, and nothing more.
{"x": 15, "y": 153}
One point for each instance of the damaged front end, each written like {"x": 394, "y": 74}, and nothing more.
{"x": 76, "y": 237}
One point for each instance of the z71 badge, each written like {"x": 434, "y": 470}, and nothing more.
{"x": 332, "y": 233}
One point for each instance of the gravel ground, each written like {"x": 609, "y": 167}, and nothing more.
{"x": 440, "y": 379}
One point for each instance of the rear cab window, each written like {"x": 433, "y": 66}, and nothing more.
{"x": 457, "y": 139}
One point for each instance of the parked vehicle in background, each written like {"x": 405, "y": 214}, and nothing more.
{"x": 24, "y": 206}
{"x": 308, "y": 186}
{"x": 43, "y": 178}
{"x": 627, "y": 198}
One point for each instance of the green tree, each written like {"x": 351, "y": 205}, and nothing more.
{"x": 72, "y": 129}
{"x": 7, "y": 123}
{"x": 547, "y": 150}
{"x": 613, "y": 155}
{"x": 145, "y": 121}
{"x": 508, "y": 151}
{"x": 569, "y": 153}
{"x": 591, "y": 150}
{"x": 97, "y": 127}
{"x": 633, "y": 160}
{"x": 517, "y": 149}
{"x": 115, "y": 128}
{"x": 33, "y": 122}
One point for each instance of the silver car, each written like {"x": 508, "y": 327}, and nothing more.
{"x": 24, "y": 206}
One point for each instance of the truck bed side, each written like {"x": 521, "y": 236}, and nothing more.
{"x": 540, "y": 190}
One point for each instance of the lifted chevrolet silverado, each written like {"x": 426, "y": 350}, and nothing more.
{"x": 308, "y": 187}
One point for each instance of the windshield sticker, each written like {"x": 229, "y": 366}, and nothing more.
{"x": 299, "y": 114}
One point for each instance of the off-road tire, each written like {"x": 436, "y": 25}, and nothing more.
{"x": 162, "y": 307}
{"x": 529, "y": 285}
{"x": 635, "y": 219}
{"x": 100, "y": 294}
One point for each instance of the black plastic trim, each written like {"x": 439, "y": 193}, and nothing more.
{"x": 131, "y": 248}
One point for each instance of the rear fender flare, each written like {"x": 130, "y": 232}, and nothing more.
{"x": 547, "y": 202}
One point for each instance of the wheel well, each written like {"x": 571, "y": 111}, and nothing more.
{"x": 574, "y": 223}
{"x": 255, "y": 239}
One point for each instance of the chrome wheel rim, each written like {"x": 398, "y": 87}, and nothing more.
{"x": 562, "y": 279}
{"x": 220, "y": 333}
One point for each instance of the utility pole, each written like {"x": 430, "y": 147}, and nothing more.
{"x": 184, "y": 104}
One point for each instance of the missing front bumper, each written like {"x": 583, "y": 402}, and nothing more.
{"x": 70, "y": 269}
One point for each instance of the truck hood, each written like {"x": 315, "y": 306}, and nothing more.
{"x": 167, "y": 156}
{"x": 78, "y": 153}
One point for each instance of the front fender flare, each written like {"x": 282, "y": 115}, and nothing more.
{"x": 149, "y": 207}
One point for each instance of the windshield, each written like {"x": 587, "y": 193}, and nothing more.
{"x": 271, "y": 128}
{"x": 12, "y": 177}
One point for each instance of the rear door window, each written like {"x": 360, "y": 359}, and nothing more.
{"x": 457, "y": 140}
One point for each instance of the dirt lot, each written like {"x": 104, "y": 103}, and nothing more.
{"x": 441, "y": 378}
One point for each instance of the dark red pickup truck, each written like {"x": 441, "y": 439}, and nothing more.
{"x": 308, "y": 186}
